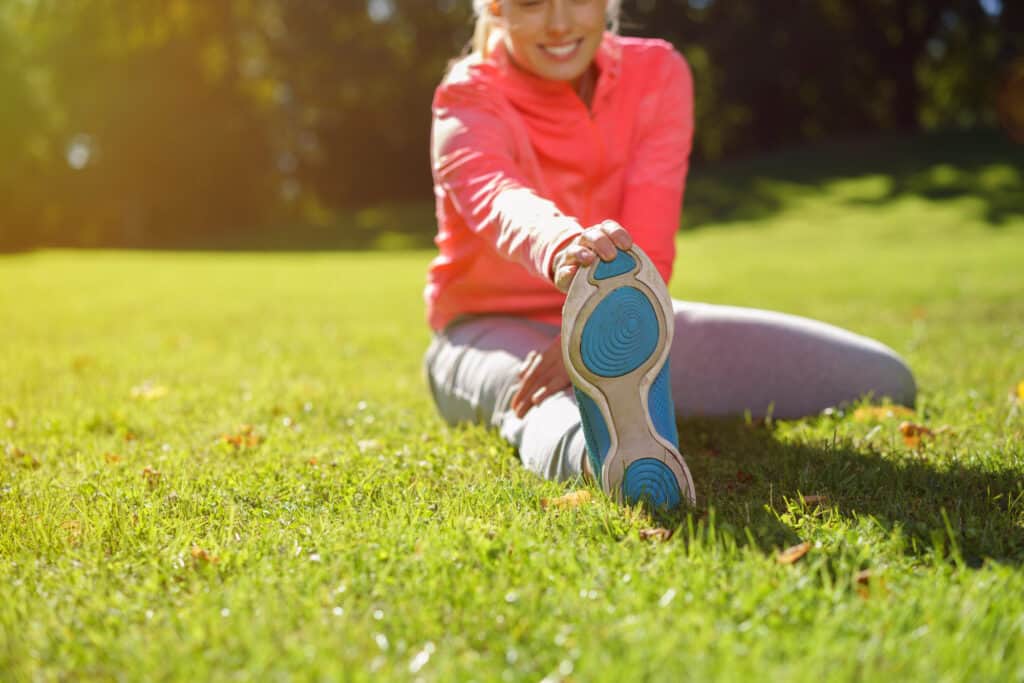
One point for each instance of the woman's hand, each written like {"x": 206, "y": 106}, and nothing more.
{"x": 543, "y": 374}
{"x": 599, "y": 241}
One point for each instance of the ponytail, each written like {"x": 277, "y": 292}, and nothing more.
{"x": 484, "y": 27}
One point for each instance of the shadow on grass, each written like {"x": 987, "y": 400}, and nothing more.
{"x": 746, "y": 474}
{"x": 984, "y": 165}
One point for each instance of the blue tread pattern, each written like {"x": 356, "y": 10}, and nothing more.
{"x": 652, "y": 481}
{"x": 661, "y": 408}
{"x": 594, "y": 430}
{"x": 620, "y": 265}
{"x": 621, "y": 333}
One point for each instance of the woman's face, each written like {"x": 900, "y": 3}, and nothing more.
{"x": 553, "y": 39}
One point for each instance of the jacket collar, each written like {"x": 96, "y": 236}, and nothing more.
{"x": 608, "y": 59}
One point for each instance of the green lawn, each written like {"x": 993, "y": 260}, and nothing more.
{"x": 146, "y": 532}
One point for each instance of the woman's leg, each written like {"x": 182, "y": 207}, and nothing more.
{"x": 728, "y": 360}
{"x": 472, "y": 368}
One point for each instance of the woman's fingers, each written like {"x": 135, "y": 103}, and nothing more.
{"x": 602, "y": 241}
{"x": 528, "y": 362}
{"x": 606, "y": 238}
{"x": 599, "y": 241}
{"x": 564, "y": 276}
{"x": 528, "y": 378}
{"x": 543, "y": 375}
{"x": 544, "y": 392}
{"x": 617, "y": 234}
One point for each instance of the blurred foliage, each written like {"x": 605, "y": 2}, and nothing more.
{"x": 189, "y": 122}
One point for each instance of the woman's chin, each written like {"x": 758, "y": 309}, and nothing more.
{"x": 567, "y": 72}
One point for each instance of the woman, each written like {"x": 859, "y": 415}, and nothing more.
{"x": 558, "y": 146}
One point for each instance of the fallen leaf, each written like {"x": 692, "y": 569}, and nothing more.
{"x": 658, "y": 534}
{"x": 871, "y": 413}
{"x": 73, "y": 527}
{"x": 913, "y": 433}
{"x": 815, "y": 500}
{"x": 148, "y": 391}
{"x": 151, "y": 476}
{"x": 794, "y": 553}
{"x": 744, "y": 477}
{"x": 569, "y": 500}
{"x": 312, "y": 462}
{"x": 245, "y": 436}
{"x": 22, "y": 458}
{"x": 868, "y": 584}
{"x": 112, "y": 458}
{"x": 201, "y": 555}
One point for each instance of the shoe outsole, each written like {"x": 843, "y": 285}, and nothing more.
{"x": 617, "y": 326}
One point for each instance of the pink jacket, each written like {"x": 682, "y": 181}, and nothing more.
{"x": 521, "y": 167}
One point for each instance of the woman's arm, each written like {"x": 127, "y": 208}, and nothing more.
{"x": 656, "y": 174}
{"x": 474, "y": 164}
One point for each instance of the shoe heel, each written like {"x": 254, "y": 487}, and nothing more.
{"x": 651, "y": 481}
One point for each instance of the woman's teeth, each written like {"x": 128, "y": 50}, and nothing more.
{"x": 561, "y": 50}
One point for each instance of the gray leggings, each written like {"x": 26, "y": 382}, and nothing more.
{"x": 724, "y": 361}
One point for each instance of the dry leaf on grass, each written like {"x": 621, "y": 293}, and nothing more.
{"x": 112, "y": 458}
{"x": 152, "y": 476}
{"x": 73, "y": 528}
{"x": 913, "y": 433}
{"x": 201, "y": 555}
{"x": 658, "y": 534}
{"x": 874, "y": 413}
{"x": 569, "y": 500}
{"x": 245, "y": 436}
{"x": 22, "y": 458}
{"x": 865, "y": 582}
{"x": 815, "y": 500}
{"x": 794, "y": 553}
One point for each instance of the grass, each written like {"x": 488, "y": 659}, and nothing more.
{"x": 222, "y": 466}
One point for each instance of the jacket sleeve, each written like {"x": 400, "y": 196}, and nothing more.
{"x": 656, "y": 174}
{"x": 474, "y": 165}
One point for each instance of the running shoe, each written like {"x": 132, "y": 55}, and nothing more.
{"x": 617, "y": 326}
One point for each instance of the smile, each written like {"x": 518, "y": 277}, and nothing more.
{"x": 562, "y": 52}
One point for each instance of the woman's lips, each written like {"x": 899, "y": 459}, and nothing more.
{"x": 563, "y": 52}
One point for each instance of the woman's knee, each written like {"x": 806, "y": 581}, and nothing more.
{"x": 893, "y": 379}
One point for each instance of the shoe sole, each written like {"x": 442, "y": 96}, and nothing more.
{"x": 617, "y": 326}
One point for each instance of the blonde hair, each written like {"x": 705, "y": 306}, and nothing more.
{"x": 485, "y": 23}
